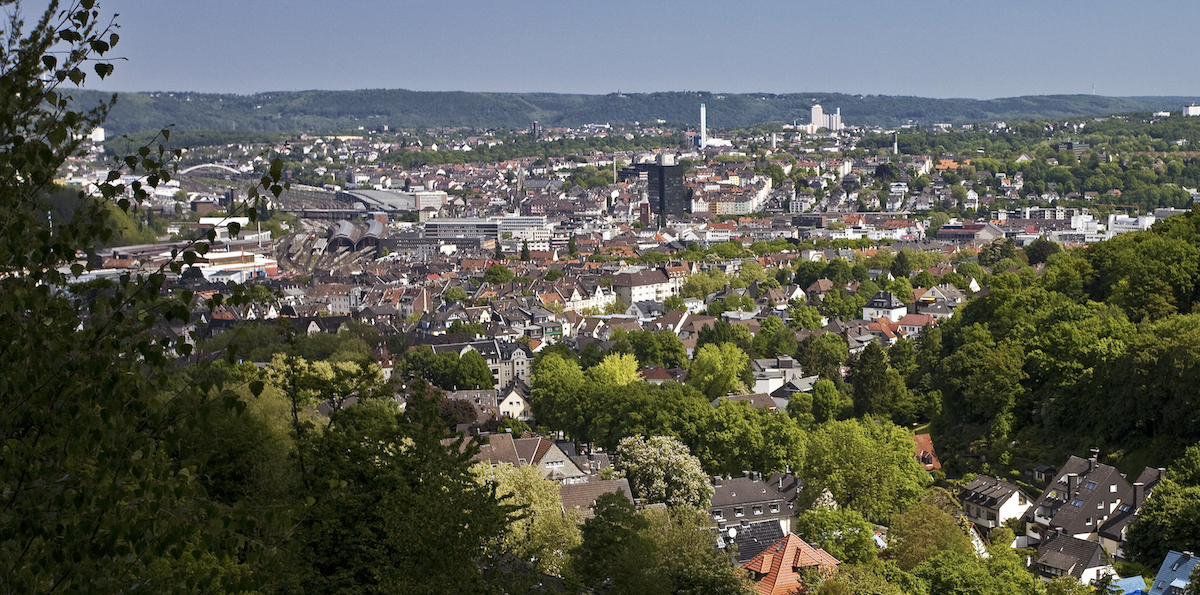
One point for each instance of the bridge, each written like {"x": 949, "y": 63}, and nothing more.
{"x": 212, "y": 165}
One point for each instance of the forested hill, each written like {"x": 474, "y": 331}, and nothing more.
{"x": 318, "y": 111}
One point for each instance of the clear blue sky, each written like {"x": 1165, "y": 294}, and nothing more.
{"x": 946, "y": 48}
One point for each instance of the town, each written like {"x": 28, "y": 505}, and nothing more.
{"x": 837, "y": 350}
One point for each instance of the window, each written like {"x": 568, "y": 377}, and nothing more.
{"x": 739, "y": 511}
{"x": 1112, "y": 489}
{"x": 774, "y": 507}
{"x": 1124, "y": 508}
{"x": 1077, "y": 503}
{"x": 1089, "y": 521}
{"x": 1091, "y": 485}
{"x": 758, "y": 509}
{"x": 718, "y": 515}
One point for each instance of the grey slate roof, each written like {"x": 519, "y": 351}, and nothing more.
{"x": 1070, "y": 555}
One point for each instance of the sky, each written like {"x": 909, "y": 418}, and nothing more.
{"x": 944, "y": 48}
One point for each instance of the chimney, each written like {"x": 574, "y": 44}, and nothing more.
{"x": 1139, "y": 494}
{"x": 1092, "y": 459}
{"x": 1072, "y": 485}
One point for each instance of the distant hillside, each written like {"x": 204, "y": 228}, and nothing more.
{"x": 317, "y": 111}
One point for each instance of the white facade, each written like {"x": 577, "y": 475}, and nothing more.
{"x": 1191, "y": 110}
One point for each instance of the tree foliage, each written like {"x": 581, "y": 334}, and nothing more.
{"x": 660, "y": 469}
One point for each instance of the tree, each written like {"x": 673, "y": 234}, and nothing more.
{"x": 826, "y": 401}
{"x": 660, "y": 469}
{"x": 497, "y": 274}
{"x": 96, "y": 495}
{"x": 720, "y": 369}
{"x": 473, "y": 372}
{"x": 823, "y": 354}
{"x": 614, "y": 552}
{"x": 674, "y": 302}
{"x": 867, "y": 466}
{"x": 902, "y": 265}
{"x": 1171, "y": 519}
{"x": 572, "y": 249}
{"x": 807, "y": 317}
{"x": 618, "y": 369}
{"x": 1040, "y": 250}
{"x": 543, "y": 533}
{"x": 555, "y": 394}
{"x": 844, "y": 533}
{"x": 454, "y": 294}
{"x": 386, "y": 492}
{"x": 923, "y": 530}
{"x": 878, "y": 389}
{"x": 525, "y": 250}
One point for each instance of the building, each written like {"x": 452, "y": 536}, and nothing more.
{"x": 647, "y": 285}
{"x": 989, "y": 502}
{"x": 779, "y": 569}
{"x": 466, "y": 228}
{"x": 1064, "y": 555}
{"x": 508, "y": 360}
{"x": 884, "y": 305}
{"x": 1084, "y": 495}
{"x": 1191, "y": 110}
{"x": 819, "y": 119}
{"x": 751, "y": 498}
{"x": 1173, "y": 575}
{"x": 664, "y": 185}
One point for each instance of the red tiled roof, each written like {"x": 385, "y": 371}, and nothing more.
{"x": 777, "y": 569}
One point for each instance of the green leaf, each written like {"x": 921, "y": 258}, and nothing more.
{"x": 256, "y": 387}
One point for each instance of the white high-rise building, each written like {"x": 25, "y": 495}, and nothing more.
{"x": 819, "y": 119}
{"x": 703, "y": 127}
{"x": 1191, "y": 110}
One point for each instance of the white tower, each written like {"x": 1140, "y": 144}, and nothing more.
{"x": 703, "y": 127}
{"x": 818, "y": 117}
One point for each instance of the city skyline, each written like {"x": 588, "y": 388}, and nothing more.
{"x": 924, "y": 48}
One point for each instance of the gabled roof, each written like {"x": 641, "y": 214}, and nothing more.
{"x": 1174, "y": 572}
{"x": 582, "y": 496}
{"x": 1071, "y": 555}
{"x": 777, "y": 569}
{"x": 988, "y": 491}
{"x": 885, "y": 300}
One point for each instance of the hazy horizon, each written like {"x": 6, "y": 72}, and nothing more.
{"x": 925, "y": 48}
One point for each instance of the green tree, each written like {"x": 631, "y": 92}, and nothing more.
{"x": 615, "y": 550}
{"x": 823, "y": 354}
{"x": 660, "y": 469}
{"x": 807, "y": 317}
{"x": 868, "y": 466}
{"x": 923, "y": 530}
{"x": 544, "y": 532}
{"x": 1171, "y": 519}
{"x": 826, "y": 401}
{"x": 844, "y": 533}
{"x": 525, "y": 250}
{"x": 96, "y": 498}
{"x": 496, "y": 274}
{"x": 555, "y": 396}
{"x": 472, "y": 372}
{"x": 1040, "y": 250}
{"x": 618, "y": 369}
{"x": 386, "y": 492}
{"x": 674, "y": 302}
{"x": 454, "y": 294}
{"x": 720, "y": 369}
